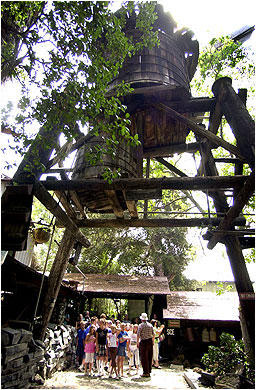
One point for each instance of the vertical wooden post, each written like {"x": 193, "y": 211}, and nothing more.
{"x": 243, "y": 285}
{"x": 55, "y": 278}
{"x": 235, "y": 255}
{"x": 146, "y": 201}
{"x": 238, "y": 118}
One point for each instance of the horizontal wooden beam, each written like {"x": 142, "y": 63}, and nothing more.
{"x": 240, "y": 201}
{"x": 164, "y": 183}
{"x": 165, "y": 151}
{"x": 227, "y": 160}
{"x": 47, "y": 200}
{"x": 156, "y": 222}
{"x": 201, "y": 132}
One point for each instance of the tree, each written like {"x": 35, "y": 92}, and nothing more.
{"x": 19, "y": 30}
{"x": 75, "y": 49}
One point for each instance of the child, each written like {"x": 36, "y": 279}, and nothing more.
{"x": 80, "y": 344}
{"x": 133, "y": 349}
{"x": 101, "y": 346}
{"x": 157, "y": 333}
{"x": 112, "y": 345}
{"x": 121, "y": 353}
{"x": 89, "y": 349}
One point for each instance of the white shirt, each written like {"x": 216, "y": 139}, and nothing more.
{"x": 112, "y": 340}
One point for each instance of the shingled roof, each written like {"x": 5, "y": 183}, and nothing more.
{"x": 121, "y": 284}
{"x": 195, "y": 305}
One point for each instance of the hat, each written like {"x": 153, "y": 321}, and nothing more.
{"x": 144, "y": 317}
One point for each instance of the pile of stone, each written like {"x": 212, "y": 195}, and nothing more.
{"x": 21, "y": 358}
{"x": 26, "y": 361}
{"x": 60, "y": 349}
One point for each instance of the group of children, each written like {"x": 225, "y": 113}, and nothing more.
{"x": 105, "y": 341}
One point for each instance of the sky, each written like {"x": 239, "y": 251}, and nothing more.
{"x": 207, "y": 20}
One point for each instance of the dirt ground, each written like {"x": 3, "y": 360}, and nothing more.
{"x": 163, "y": 379}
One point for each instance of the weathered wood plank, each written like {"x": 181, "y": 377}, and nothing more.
{"x": 47, "y": 200}
{"x": 76, "y": 201}
{"x": 131, "y": 205}
{"x": 166, "y": 151}
{"x": 200, "y": 131}
{"x": 163, "y": 222}
{"x": 171, "y": 183}
{"x": 238, "y": 118}
{"x": 65, "y": 203}
{"x": 113, "y": 200}
{"x": 240, "y": 201}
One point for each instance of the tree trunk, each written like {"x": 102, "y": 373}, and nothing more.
{"x": 55, "y": 278}
{"x": 37, "y": 157}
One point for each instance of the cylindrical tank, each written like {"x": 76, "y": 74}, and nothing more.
{"x": 159, "y": 74}
{"x": 124, "y": 161}
{"x": 168, "y": 64}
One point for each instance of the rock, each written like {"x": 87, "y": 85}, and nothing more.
{"x": 179, "y": 359}
{"x": 207, "y": 379}
{"x": 198, "y": 370}
{"x": 26, "y": 336}
{"x": 14, "y": 351}
{"x": 228, "y": 381}
{"x": 38, "y": 379}
{"x": 40, "y": 343}
{"x": 10, "y": 336}
{"x": 177, "y": 367}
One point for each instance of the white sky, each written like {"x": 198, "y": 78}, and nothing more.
{"x": 207, "y": 20}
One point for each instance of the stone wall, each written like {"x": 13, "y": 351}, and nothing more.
{"x": 26, "y": 361}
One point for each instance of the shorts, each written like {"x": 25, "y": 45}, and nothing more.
{"x": 102, "y": 350}
{"x": 89, "y": 357}
{"x": 112, "y": 352}
{"x": 121, "y": 350}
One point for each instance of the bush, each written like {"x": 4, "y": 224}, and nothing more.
{"x": 224, "y": 359}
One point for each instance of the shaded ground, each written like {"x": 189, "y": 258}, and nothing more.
{"x": 163, "y": 379}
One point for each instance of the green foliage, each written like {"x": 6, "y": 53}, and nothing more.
{"x": 221, "y": 289}
{"x": 220, "y": 54}
{"x": 19, "y": 35}
{"x": 224, "y": 359}
{"x": 78, "y": 48}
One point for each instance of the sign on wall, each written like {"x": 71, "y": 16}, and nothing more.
{"x": 173, "y": 323}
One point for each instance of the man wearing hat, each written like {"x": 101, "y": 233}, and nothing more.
{"x": 145, "y": 338}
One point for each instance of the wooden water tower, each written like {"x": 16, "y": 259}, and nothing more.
{"x": 160, "y": 74}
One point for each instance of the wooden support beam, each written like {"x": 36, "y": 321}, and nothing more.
{"x": 201, "y": 132}
{"x": 162, "y": 222}
{"x": 240, "y": 201}
{"x": 76, "y": 201}
{"x": 113, "y": 200}
{"x": 65, "y": 203}
{"x": 227, "y": 160}
{"x": 131, "y": 205}
{"x": 167, "y": 183}
{"x": 66, "y": 149}
{"x": 171, "y": 167}
{"x": 47, "y": 200}
{"x": 55, "y": 278}
{"x": 167, "y": 151}
{"x": 238, "y": 118}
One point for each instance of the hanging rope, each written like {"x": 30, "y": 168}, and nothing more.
{"x": 43, "y": 276}
{"x": 46, "y": 261}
